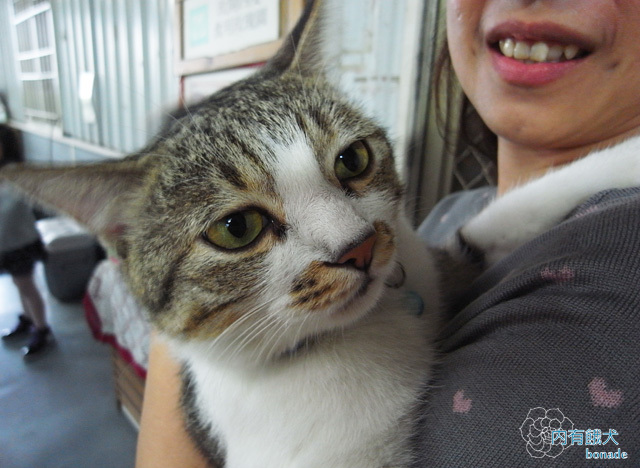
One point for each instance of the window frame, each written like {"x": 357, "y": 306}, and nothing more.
{"x": 40, "y": 87}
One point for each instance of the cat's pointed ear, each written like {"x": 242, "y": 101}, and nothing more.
{"x": 305, "y": 50}
{"x": 100, "y": 196}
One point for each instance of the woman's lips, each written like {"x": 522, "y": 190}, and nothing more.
{"x": 517, "y": 72}
{"x": 531, "y": 69}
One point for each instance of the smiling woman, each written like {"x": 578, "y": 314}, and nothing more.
{"x": 548, "y": 112}
{"x": 553, "y": 327}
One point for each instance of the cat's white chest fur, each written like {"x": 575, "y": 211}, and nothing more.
{"x": 339, "y": 403}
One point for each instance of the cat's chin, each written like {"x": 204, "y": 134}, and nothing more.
{"x": 357, "y": 305}
{"x": 335, "y": 318}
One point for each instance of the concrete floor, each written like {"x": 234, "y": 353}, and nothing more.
{"x": 59, "y": 409}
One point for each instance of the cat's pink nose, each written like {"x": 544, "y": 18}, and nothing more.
{"x": 360, "y": 256}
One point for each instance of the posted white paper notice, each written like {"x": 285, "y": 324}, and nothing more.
{"x": 216, "y": 27}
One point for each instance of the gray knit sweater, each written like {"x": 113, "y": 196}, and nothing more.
{"x": 541, "y": 357}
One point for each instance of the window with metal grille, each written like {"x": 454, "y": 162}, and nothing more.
{"x": 36, "y": 56}
{"x": 471, "y": 167}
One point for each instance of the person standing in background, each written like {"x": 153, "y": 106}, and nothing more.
{"x": 20, "y": 248}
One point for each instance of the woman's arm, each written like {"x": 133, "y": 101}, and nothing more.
{"x": 163, "y": 441}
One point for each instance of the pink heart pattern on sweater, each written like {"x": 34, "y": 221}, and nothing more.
{"x": 559, "y": 276}
{"x": 460, "y": 403}
{"x": 602, "y": 396}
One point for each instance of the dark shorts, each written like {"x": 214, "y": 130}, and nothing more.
{"x": 21, "y": 261}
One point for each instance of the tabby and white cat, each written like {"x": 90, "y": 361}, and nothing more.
{"x": 265, "y": 234}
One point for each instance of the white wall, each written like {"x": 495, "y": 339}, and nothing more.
{"x": 378, "y": 43}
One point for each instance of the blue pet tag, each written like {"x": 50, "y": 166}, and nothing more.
{"x": 415, "y": 303}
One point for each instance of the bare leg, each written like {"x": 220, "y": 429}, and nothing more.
{"x": 31, "y": 300}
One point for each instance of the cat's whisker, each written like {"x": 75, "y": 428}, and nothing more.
{"x": 247, "y": 315}
{"x": 248, "y": 332}
{"x": 284, "y": 327}
{"x": 287, "y": 324}
{"x": 231, "y": 350}
{"x": 257, "y": 329}
{"x": 299, "y": 336}
{"x": 274, "y": 322}
{"x": 267, "y": 330}
{"x": 298, "y": 333}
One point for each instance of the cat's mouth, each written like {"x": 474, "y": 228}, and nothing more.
{"x": 351, "y": 301}
{"x": 348, "y": 311}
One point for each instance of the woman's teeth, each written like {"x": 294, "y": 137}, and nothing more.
{"x": 538, "y": 52}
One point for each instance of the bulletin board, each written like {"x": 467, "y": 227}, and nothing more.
{"x": 221, "y": 34}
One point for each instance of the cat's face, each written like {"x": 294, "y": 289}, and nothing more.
{"x": 261, "y": 193}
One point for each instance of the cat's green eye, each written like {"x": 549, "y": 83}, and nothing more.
{"x": 352, "y": 161}
{"x": 236, "y": 230}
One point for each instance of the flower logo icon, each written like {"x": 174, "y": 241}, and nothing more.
{"x": 537, "y": 428}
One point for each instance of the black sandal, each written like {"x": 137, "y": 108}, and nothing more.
{"x": 38, "y": 341}
{"x": 21, "y": 329}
